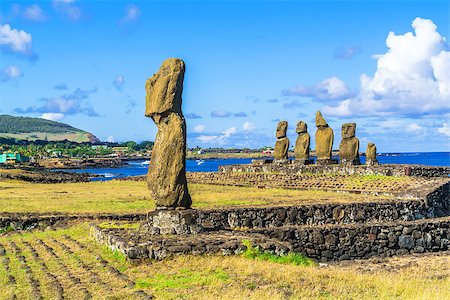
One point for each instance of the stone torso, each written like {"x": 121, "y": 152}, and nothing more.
{"x": 281, "y": 148}
{"x": 302, "y": 144}
{"x": 349, "y": 149}
{"x": 324, "y": 142}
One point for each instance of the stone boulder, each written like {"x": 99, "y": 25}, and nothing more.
{"x": 166, "y": 178}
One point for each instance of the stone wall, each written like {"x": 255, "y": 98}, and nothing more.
{"x": 323, "y": 243}
{"x": 436, "y": 204}
{"x": 384, "y": 169}
{"x": 362, "y": 241}
{"x": 26, "y": 221}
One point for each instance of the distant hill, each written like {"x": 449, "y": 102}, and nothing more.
{"x": 31, "y": 129}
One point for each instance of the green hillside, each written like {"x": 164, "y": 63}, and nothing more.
{"x": 31, "y": 129}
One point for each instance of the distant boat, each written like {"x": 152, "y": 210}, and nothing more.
{"x": 199, "y": 161}
{"x": 147, "y": 162}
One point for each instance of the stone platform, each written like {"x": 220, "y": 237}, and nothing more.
{"x": 290, "y": 167}
{"x": 322, "y": 231}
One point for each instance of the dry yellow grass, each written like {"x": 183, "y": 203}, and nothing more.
{"x": 219, "y": 277}
{"x": 133, "y": 196}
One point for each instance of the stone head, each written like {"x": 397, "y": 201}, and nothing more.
{"x": 164, "y": 88}
{"x": 320, "y": 121}
{"x": 370, "y": 145}
{"x": 282, "y": 129}
{"x": 348, "y": 130}
{"x": 301, "y": 127}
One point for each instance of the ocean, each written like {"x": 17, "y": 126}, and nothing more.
{"x": 136, "y": 168}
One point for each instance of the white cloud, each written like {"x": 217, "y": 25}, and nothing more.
{"x": 218, "y": 138}
{"x": 412, "y": 77}
{"x": 248, "y": 126}
{"x": 34, "y": 13}
{"x": 391, "y": 124}
{"x": 53, "y": 116}
{"x": 110, "y": 139}
{"x": 199, "y": 128}
{"x": 327, "y": 90}
{"x": 15, "y": 40}
{"x": 132, "y": 14}
{"x": 67, "y": 10}
{"x": 118, "y": 82}
{"x": 10, "y": 73}
{"x": 414, "y": 128}
{"x": 445, "y": 129}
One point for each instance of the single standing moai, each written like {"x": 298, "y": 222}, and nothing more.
{"x": 166, "y": 178}
{"x": 302, "y": 143}
{"x": 371, "y": 155}
{"x": 282, "y": 144}
{"x": 349, "y": 147}
{"x": 324, "y": 141}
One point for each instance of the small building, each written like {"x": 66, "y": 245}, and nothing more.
{"x": 120, "y": 150}
{"x": 12, "y": 158}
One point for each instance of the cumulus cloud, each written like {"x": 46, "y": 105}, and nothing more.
{"x": 445, "y": 129}
{"x": 193, "y": 116}
{"x": 118, "y": 82}
{"x": 34, "y": 13}
{"x": 414, "y": 128}
{"x": 67, "y": 9}
{"x": 53, "y": 116}
{"x": 132, "y": 14}
{"x": 199, "y": 128}
{"x": 220, "y": 114}
{"x": 68, "y": 104}
{"x": 221, "y": 138}
{"x": 330, "y": 89}
{"x": 17, "y": 41}
{"x": 412, "y": 77}
{"x": 10, "y": 73}
{"x": 248, "y": 126}
{"x": 347, "y": 53}
{"x": 227, "y": 114}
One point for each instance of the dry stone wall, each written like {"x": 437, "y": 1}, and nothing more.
{"x": 293, "y": 168}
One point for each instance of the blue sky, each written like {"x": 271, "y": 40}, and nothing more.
{"x": 382, "y": 64}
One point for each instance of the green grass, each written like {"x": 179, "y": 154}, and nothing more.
{"x": 296, "y": 259}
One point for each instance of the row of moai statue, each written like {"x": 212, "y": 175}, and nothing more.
{"x": 348, "y": 149}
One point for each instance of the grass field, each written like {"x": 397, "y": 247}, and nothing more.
{"x": 67, "y": 262}
{"x": 133, "y": 196}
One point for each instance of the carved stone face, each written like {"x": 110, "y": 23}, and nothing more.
{"x": 282, "y": 129}
{"x": 348, "y": 130}
{"x": 301, "y": 127}
{"x": 320, "y": 121}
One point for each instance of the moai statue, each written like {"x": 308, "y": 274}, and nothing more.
{"x": 371, "y": 155}
{"x": 324, "y": 141}
{"x": 282, "y": 145}
{"x": 349, "y": 147}
{"x": 302, "y": 144}
{"x": 166, "y": 178}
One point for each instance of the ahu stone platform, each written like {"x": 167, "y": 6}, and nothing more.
{"x": 320, "y": 231}
{"x": 291, "y": 167}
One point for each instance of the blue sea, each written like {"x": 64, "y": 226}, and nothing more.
{"x": 135, "y": 168}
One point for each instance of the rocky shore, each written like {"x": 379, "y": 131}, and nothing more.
{"x": 40, "y": 175}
